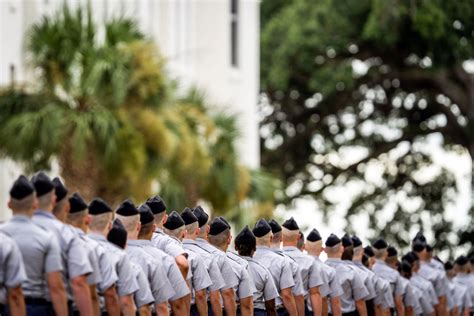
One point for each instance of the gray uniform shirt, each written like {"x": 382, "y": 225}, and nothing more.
{"x": 230, "y": 280}
{"x": 460, "y": 294}
{"x": 108, "y": 273}
{"x": 143, "y": 295}
{"x": 39, "y": 250}
{"x": 173, "y": 273}
{"x": 210, "y": 262}
{"x": 298, "y": 289}
{"x": 311, "y": 275}
{"x": 382, "y": 270}
{"x": 418, "y": 308}
{"x": 165, "y": 242}
{"x": 435, "y": 277}
{"x": 161, "y": 288}
{"x": 426, "y": 296}
{"x": 12, "y": 270}
{"x": 279, "y": 267}
{"x": 368, "y": 282}
{"x": 333, "y": 284}
{"x": 127, "y": 281}
{"x": 265, "y": 288}
{"x": 408, "y": 296}
{"x": 382, "y": 293}
{"x": 95, "y": 277}
{"x": 352, "y": 285}
{"x": 468, "y": 281}
{"x": 245, "y": 287}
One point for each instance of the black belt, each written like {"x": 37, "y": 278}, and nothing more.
{"x": 36, "y": 301}
{"x": 354, "y": 313}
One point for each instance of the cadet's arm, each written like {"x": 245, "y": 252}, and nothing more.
{"x": 324, "y": 306}
{"x": 228, "y": 298}
{"x": 57, "y": 292}
{"x": 299, "y": 301}
{"x": 316, "y": 301}
{"x": 289, "y": 301}
{"x": 162, "y": 309}
{"x": 409, "y": 311}
{"x": 183, "y": 265}
{"x": 455, "y": 311}
{"x": 201, "y": 302}
{"x": 144, "y": 310}
{"x": 270, "y": 307}
{"x": 94, "y": 300}
{"x": 16, "y": 301}
{"x": 215, "y": 298}
{"x": 441, "y": 307}
{"x": 361, "y": 307}
{"x": 112, "y": 304}
{"x": 466, "y": 311}
{"x": 179, "y": 306}
{"x": 127, "y": 305}
{"x": 336, "y": 306}
{"x": 246, "y": 306}
{"x": 399, "y": 305}
{"x": 82, "y": 295}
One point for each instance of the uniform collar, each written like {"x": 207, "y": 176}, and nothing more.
{"x": 142, "y": 242}
{"x": 20, "y": 218}
{"x": 188, "y": 241}
{"x": 79, "y": 231}
{"x": 159, "y": 230}
{"x": 380, "y": 262}
{"x": 97, "y": 236}
{"x": 176, "y": 239}
{"x": 290, "y": 248}
{"x": 44, "y": 213}
{"x": 334, "y": 260}
{"x": 263, "y": 248}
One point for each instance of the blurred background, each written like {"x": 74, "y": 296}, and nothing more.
{"x": 351, "y": 116}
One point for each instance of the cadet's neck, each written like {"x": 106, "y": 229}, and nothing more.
{"x": 334, "y": 255}
{"x": 289, "y": 243}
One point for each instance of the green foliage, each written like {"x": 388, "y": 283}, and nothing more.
{"x": 103, "y": 107}
{"x": 357, "y": 85}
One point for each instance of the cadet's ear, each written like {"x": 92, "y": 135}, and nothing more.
{"x": 139, "y": 226}
{"x": 208, "y": 229}
{"x": 9, "y": 204}
{"x": 154, "y": 227}
{"x": 87, "y": 219}
{"x": 165, "y": 218}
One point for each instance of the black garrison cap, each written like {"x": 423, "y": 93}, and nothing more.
{"x": 42, "y": 183}
{"x": 156, "y": 204}
{"x": 201, "y": 215}
{"x": 174, "y": 221}
{"x": 118, "y": 234}
{"x": 217, "y": 226}
{"x": 429, "y": 248}
{"x": 356, "y": 242}
{"x": 391, "y": 251}
{"x": 59, "y": 189}
{"x": 21, "y": 188}
{"x": 448, "y": 266}
{"x": 146, "y": 215}
{"x": 274, "y": 225}
{"x": 346, "y": 240}
{"x": 291, "y": 224}
{"x": 405, "y": 267}
{"x": 188, "y": 216}
{"x": 418, "y": 245}
{"x": 332, "y": 240}
{"x": 313, "y": 236}
{"x": 369, "y": 252}
{"x": 246, "y": 237}
{"x": 419, "y": 236}
{"x": 127, "y": 208}
{"x": 261, "y": 228}
{"x": 76, "y": 203}
{"x": 224, "y": 220}
{"x": 461, "y": 260}
{"x": 99, "y": 206}
{"x": 410, "y": 257}
{"x": 380, "y": 244}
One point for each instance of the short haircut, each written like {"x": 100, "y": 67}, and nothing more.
{"x": 334, "y": 249}
{"x": 293, "y": 234}
{"x": 24, "y": 204}
{"x": 358, "y": 251}
{"x": 74, "y": 218}
{"x": 159, "y": 218}
{"x": 129, "y": 222}
{"x": 44, "y": 201}
{"x": 244, "y": 249}
{"x": 203, "y": 231}
{"x": 277, "y": 237}
{"x": 348, "y": 253}
{"x": 192, "y": 227}
{"x": 219, "y": 239}
{"x": 100, "y": 222}
{"x": 379, "y": 253}
{"x": 145, "y": 230}
{"x": 58, "y": 208}
{"x": 264, "y": 240}
{"x": 175, "y": 232}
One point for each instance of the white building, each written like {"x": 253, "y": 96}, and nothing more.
{"x": 213, "y": 44}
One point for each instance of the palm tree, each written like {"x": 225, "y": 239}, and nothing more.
{"x": 103, "y": 107}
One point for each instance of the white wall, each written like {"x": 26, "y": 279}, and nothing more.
{"x": 194, "y": 36}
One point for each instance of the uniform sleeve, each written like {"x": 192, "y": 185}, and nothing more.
{"x": 246, "y": 287}
{"x": 143, "y": 295}
{"x": 94, "y": 277}
{"x": 228, "y": 275}
{"x": 127, "y": 282}
{"x": 441, "y": 285}
{"x": 201, "y": 279}
{"x": 399, "y": 290}
{"x": 173, "y": 249}
{"x": 14, "y": 271}
{"x": 175, "y": 278}
{"x": 409, "y": 299}
{"x": 334, "y": 285}
{"x": 286, "y": 276}
{"x": 325, "y": 289}
{"x": 108, "y": 273}
{"x": 270, "y": 290}
{"x": 216, "y": 276}
{"x": 433, "y": 296}
{"x": 359, "y": 291}
{"x": 315, "y": 277}
{"x": 298, "y": 289}
{"x": 426, "y": 305}
{"x": 53, "y": 261}
{"x": 77, "y": 259}
{"x": 161, "y": 287}
{"x": 370, "y": 285}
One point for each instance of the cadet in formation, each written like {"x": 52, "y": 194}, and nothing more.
{"x": 60, "y": 255}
